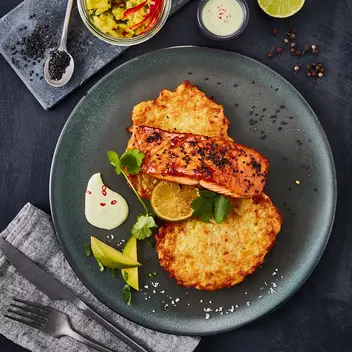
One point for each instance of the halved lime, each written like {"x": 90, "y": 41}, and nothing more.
{"x": 281, "y": 8}
{"x": 111, "y": 257}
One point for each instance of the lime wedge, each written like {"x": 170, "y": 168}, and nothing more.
{"x": 111, "y": 257}
{"x": 131, "y": 275}
{"x": 281, "y": 8}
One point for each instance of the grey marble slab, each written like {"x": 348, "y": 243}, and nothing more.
{"x": 90, "y": 53}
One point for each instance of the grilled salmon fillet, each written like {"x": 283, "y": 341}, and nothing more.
{"x": 217, "y": 164}
{"x": 186, "y": 110}
{"x": 209, "y": 256}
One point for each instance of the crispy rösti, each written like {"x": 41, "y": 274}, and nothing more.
{"x": 209, "y": 256}
{"x": 186, "y": 110}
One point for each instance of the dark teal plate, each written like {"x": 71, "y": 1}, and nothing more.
{"x": 266, "y": 113}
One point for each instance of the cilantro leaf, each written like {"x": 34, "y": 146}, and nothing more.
{"x": 142, "y": 228}
{"x": 114, "y": 273}
{"x": 208, "y": 203}
{"x": 207, "y": 194}
{"x": 132, "y": 160}
{"x": 115, "y": 161}
{"x": 127, "y": 295}
{"x": 87, "y": 250}
{"x": 152, "y": 275}
{"x": 203, "y": 208}
{"x": 222, "y": 207}
{"x": 125, "y": 276}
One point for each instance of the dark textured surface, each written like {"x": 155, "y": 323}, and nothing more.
{"x": 258, "y": 103}
{"x": 89, "y": 52}
{"x": 318, "y": 317}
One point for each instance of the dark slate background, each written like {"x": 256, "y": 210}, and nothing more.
{"x": 319, "y": 316}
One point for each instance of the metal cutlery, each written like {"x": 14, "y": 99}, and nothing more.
{"x": 57, "y": 291}
{"x": 48, "y": 320}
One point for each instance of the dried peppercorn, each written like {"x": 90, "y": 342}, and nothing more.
{"x": 279, "y": 51}
{"x": 275, "y": 31}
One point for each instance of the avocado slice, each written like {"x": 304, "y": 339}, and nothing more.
{"x": 132, "y": 274}
{"x": 111, "y": 257}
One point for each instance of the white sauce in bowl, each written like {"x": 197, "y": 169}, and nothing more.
{"x": 222, "y": 17}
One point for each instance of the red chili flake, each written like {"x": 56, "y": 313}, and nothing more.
{"x": 113, "y": 202}
{"x": 102, "y": 204}
{"x": 89, "y": 192}
{"x": 103, "y": 190}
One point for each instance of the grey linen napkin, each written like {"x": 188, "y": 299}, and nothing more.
{"x": 32, "y": 233}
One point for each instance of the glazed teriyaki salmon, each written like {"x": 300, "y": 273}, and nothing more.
{"x": 217, "y": 164}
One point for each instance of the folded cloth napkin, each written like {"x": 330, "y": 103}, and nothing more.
{"x": 33, "y": 234}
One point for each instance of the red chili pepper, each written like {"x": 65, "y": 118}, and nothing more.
{"x": 124, "y": 33}
{"x": 154, "y": 9}
{"x": 134, "y": 9}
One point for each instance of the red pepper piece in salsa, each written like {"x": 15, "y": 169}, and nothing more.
{"x": 154, "y": 10}
{"x": 134, "y": 9}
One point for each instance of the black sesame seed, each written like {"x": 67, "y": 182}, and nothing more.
{"x": 235, "y": 85}
{"x": 58, "y": 63}
{"x": 282, "y": 106}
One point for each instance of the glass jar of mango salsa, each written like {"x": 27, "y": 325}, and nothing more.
{"x": 122, "y": 22}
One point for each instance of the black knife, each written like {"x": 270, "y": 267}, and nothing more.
{"x": 55, "y": 290}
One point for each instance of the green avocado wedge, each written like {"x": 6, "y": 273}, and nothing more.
{"x": 111, "y": 257}
{"x": 131, "y": 275}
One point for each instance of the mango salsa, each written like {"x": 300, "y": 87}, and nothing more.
{"x": 124, "y": 19}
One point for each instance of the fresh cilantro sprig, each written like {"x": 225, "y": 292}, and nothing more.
{"x": 127, "y": 294}
{"x": 132, "y": 160}
{"x": 87, "y": 250}
{"x": 210, "y": 204}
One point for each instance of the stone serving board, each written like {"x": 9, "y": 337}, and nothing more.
{"x": 90, "y": 53}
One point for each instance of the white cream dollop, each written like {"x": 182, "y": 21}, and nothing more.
{"x": 104, "y": 208}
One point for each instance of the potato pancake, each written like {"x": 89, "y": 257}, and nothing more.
{"x": 186, "y": 110}
{"x": 210, "y": 256}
